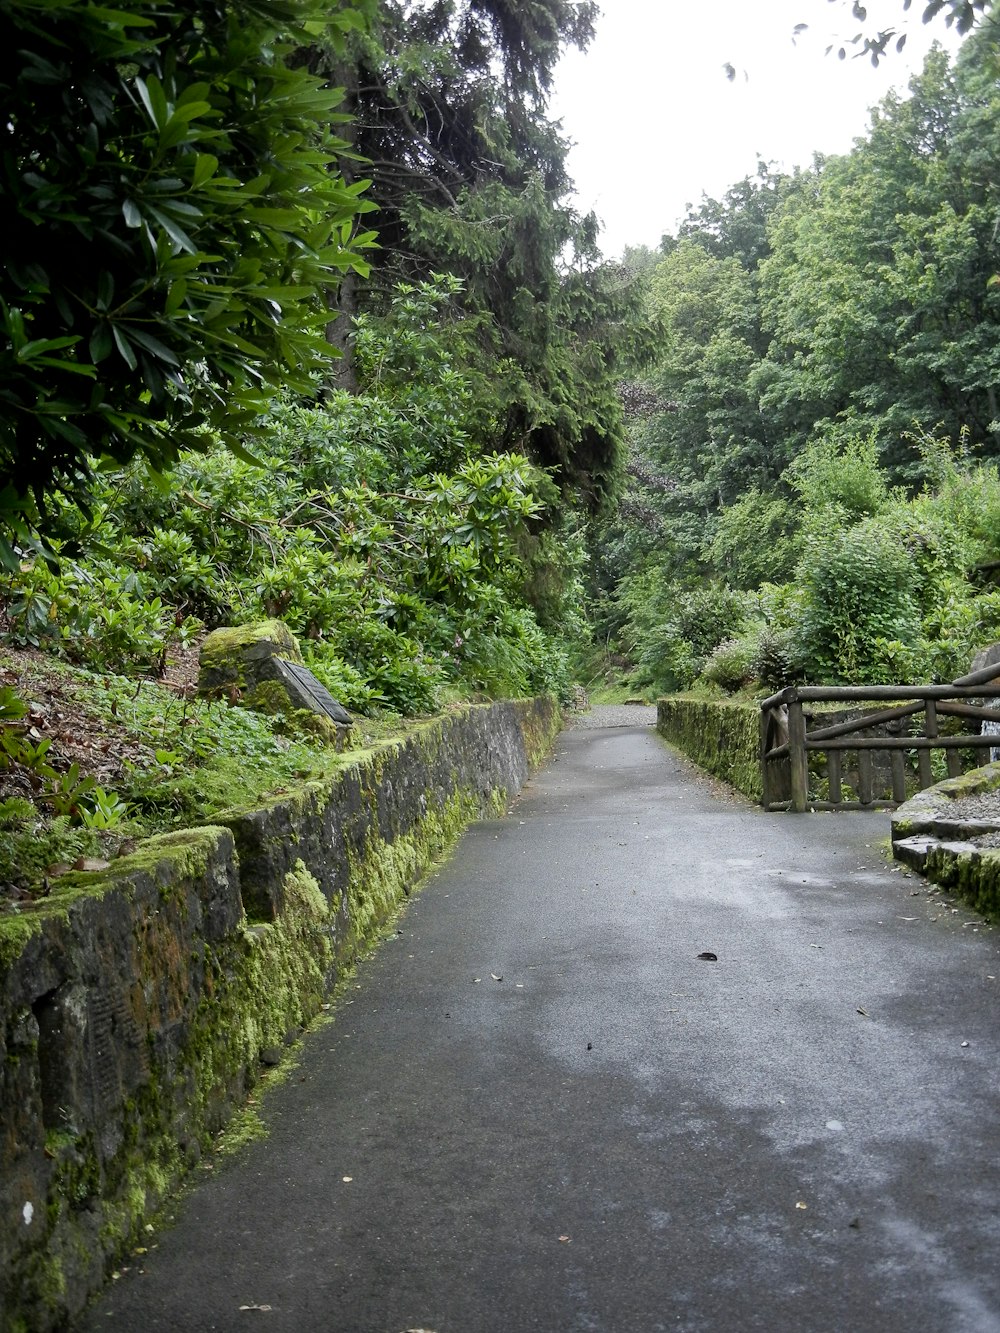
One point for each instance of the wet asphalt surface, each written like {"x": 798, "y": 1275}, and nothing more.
{"x": 541, "y": 1110}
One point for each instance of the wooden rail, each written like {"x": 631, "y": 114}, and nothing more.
{"x": 791, "y": 732}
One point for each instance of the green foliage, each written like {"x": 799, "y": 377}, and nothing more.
{"x": 12, "y": 708}
{"x": 106, "y": 811}
{"x": 404, "y": 559}
{"x": 675, "y": 629}
{"x": 839, "y": 481}
{"x": 821, "y": 338}
{"x": 859, "y": 609}
{"x": 755, "y": 540}
{"x": 470, "y": 178}
{"x": 29, "y": 853}
{"x": 732, "y": 664}
{"x": 172, "y": 220}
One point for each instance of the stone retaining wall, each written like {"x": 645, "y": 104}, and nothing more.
{"x": 136, "y": 1005}
{"x": 933, "y": 836}
{"x": 719, "y": 735}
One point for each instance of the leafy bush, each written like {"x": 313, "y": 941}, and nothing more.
{"x": 732, "y": 664}
{"x": 755, "y": 540}
{"x": 859, "y": 604}
{"x": 397, "y": 552}
{"x": 172, "y": 225}
{"x": 676, "y": 628}
{"x": 839, "y": 480}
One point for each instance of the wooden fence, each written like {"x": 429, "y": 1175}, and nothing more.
{"x": 880, "y": 743}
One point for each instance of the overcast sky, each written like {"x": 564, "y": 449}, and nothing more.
{"x": 655, "y": 122}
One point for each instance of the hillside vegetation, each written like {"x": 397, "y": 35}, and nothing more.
{"x": 812, "y": 489}
{"x": 328, "y": 342}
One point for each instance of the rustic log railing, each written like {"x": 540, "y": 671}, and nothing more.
{"x": 790, "y": 733}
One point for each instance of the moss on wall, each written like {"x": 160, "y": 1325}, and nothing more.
{"x": 973, "y": 875}
{"x": 155, "y": 963}
{"x": 719, "y": 735}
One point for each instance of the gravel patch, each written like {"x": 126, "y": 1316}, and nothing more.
{"x": 614, "y": 715}
{"x": 985, "y": 805}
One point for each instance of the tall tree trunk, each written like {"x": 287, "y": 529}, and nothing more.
{"x": 343, "y": 301}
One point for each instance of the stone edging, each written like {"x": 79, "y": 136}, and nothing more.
{"x": 931, "y": 839}
{"x": 138, "y": 1005}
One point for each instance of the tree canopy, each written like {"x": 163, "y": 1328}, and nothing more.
{"x": 470, "y": 178}
{"x": 173, "y": 211}
{"x": 825, "y": 389}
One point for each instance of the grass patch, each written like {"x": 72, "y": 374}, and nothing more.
{"x": 172, "y": 760}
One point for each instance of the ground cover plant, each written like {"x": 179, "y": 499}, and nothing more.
{"x": 93, "y": 761}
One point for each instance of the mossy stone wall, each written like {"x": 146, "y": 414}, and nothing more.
{"x": 930, "y": 835}
{"x": 720, "y": 735}
{"x": 136, "y": 1004}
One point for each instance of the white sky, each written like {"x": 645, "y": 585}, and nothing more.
{"x": 655, "y": 122}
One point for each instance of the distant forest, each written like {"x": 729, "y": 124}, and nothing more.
{"x": 811, "y": 491}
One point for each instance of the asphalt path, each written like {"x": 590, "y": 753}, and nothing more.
{"x": 541, "y": 1109}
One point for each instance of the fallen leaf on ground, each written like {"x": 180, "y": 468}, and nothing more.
{"x": 709, "y": 957}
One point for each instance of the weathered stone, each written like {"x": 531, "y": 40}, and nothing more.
{"x": 138, "y": 1004}
{"x": 261, "y": 667}
{"x": 950, "y": 859}
{"x": 305, "y": 691}
{"x": 720, "y": 735}
{"x": 986, "y": 657}
{"x": 913, "y": 851}
{"x": 231, "y": 658}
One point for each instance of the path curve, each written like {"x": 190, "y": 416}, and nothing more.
{"x": 542, "y": 1110}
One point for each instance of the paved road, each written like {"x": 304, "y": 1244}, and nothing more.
{"x": 619, "y": 1136}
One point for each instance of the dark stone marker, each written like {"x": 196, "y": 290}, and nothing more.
{"x": 305, "y": 691}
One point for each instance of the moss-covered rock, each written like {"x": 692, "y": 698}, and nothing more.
{"x": 260, "y": 666}
{"x": 929, "y": 833}
{"x": 230, "y": 657}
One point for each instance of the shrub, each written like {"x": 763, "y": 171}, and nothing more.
{"x": 755, "y": 540}
{"x": 677, "y": 629}
{"x": 841, "y": 478}
{"x": 859, "y": 605}
{"x": 732, "y": 664}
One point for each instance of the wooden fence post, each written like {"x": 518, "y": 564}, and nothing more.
{"x": 797, "y": 757}
{"x": 924, "y": 756}
{"x": 765, "y": 767}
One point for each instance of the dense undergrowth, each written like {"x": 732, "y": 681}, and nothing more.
{"x": 870, "y": 585}
{"x": 416, "y": 569}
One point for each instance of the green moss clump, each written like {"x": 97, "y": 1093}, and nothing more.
{"x": 540, "y": 720}
{"x": 245, "y": 1127}
{"x": 15, "y": 933}
{"x": 271, "y": 698}
{"x": 221, "y": 651}
{"x": 974, "y": 876}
